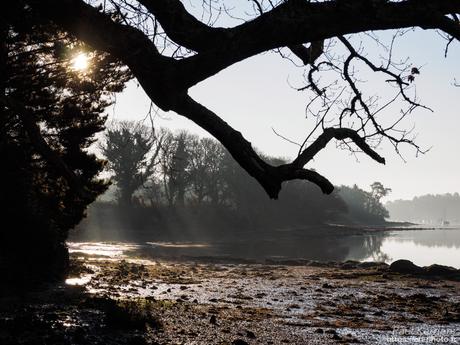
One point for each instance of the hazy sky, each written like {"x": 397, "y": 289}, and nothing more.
{"x": 255, "y": 95}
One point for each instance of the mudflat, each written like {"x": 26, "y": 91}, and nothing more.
{"x": 139, "y": 301}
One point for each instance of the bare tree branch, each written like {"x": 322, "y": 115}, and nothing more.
{"x": 292, "y": 23}
{"x": 339, "y": 134}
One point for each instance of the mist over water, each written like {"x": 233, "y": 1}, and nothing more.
{"x": 303, "y": 225}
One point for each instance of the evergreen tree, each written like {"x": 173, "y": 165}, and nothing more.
{"x": 51, "y": 108}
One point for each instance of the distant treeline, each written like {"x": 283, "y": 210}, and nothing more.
{"x": 178, "y": 182}
{"x": 430, "y": 209}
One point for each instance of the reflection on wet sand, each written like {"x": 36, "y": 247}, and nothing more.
{"x": 83, "y": 280}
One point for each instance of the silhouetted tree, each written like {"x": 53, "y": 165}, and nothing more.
{"x": 49, "y": 115}
{"x": 375, "y": 206}
{"x": 132, "y": 151}
{"x": 175, "y": 164}
{"x": 198, "y": 170}
{"x": 365, "y": 207}
{"x": 179, "y": 177}
{"x": 379, "y": 191}
{"x": 169, "y": 50}
{"x": 205, "y": 156}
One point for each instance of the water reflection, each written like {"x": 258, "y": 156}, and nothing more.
{"x": 368, "y": 247}
{"x": 104, "y": 249}
{"x": 423, "y": 247}
{"x": 449, "y": 238}
{"x": 323, "y": 249}
{"x": 178, "y": 245}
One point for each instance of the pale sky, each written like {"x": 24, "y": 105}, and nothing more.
{"x": 254, "y": 96}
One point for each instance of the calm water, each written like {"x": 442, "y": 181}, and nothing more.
{"x": 423, "y": 247}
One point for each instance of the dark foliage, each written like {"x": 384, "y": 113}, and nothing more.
{"x": 50, "y": 113}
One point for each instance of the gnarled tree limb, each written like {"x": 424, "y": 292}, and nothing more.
{"x": 291, "y": 24}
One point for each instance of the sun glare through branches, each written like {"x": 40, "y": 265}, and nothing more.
{"x": 80, "y": 62}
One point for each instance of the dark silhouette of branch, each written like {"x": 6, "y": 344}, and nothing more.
{"x": 339, "y": 134}
{"x": 292, "y": 24}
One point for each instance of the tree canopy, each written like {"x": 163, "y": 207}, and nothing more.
{"x": 169, "y": 50}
